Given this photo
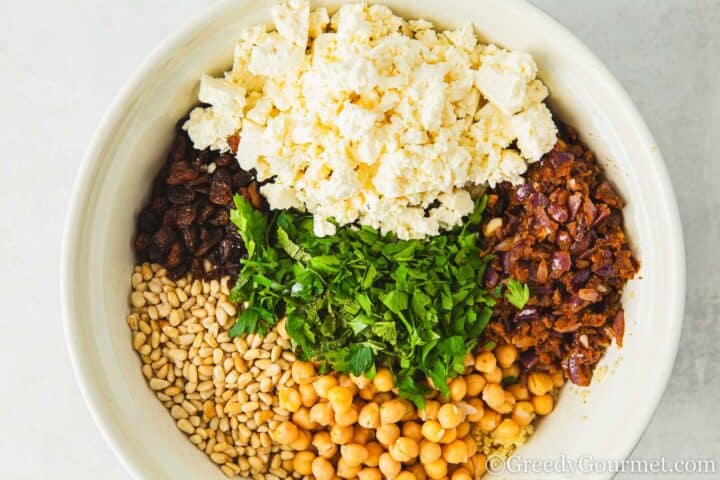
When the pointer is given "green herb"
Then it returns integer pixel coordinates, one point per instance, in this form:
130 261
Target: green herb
358 298
509 381
517 293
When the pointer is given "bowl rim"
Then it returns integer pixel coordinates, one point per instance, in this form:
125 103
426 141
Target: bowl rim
117 111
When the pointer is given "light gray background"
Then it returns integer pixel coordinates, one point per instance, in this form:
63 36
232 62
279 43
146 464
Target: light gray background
61 63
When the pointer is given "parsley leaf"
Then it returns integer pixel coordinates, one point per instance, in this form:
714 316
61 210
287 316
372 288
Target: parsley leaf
517 293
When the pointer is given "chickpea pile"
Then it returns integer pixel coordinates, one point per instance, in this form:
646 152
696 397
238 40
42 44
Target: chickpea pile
352 427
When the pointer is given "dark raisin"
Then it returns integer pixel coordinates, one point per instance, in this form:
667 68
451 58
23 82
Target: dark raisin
175 256
181 194
181 172
220 189
181 215
142 242
220 217
224 160
163 238
206 211
189 237
148 221
241 179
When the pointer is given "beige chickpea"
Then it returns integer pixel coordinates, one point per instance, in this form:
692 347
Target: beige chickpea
387 434
412 430
485 362
340 398
361 435
308 395
324 445
450 435
410 411
519 391
539 383
404 449
382 397
302 419
346 381
302 442
523 413
479 407
345 470
418 470
374 451
405 475
478 462
323 384
392 411
429 451
455 452
543 404
506 355
369 416
558 378
450 416
302 463
475 384
354 454
508 405
430 412
286 433
322 469
322 414
511 372
341 435
302 372
489 421
493 395
360 382
348 417
463 429
369 473
388 466
437 469
383 380
368 392
461 474
458 389
507 432
494 376
471 445
432 430
289 399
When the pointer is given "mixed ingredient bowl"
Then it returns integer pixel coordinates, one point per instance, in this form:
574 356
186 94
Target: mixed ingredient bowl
371 248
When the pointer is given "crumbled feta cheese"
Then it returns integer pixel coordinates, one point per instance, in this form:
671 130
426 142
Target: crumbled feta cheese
361 116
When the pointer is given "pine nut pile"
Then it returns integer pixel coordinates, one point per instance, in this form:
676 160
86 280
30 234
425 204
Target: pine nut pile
260 413
220 391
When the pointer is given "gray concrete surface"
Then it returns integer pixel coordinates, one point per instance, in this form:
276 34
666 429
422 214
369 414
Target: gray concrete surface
61 62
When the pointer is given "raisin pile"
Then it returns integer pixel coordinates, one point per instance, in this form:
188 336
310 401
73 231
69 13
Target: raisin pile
186 225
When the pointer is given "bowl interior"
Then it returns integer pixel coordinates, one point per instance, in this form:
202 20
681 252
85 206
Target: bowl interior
135 138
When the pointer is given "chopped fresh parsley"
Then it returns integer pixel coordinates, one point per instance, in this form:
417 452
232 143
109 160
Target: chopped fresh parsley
517 293
358 299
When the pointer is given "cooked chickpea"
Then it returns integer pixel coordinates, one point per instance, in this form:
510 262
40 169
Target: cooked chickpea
479 407
463 429
430 412
508 405
506 355
469 360
513 371
286 433
302 442
361 435
323 384
360 382
543 404
322 469
455 452
345 470
432 430
410 411
388 466
348 417
302 372
493 395
369 416
308 395
392 411
322 414
518 391
302 463
478 463
382 397
489 421
341 435
429 451
346 381
404 449
450 416
302 419
324 445
374 452
558 378
539 383
494 376
437 469
458 389
412 430
475 384
471 445
523 413
354 454
461 474
387 434
450 435
340 398
418 470
369 473
507 432
368 392
405 475
383 380
289 399
485 362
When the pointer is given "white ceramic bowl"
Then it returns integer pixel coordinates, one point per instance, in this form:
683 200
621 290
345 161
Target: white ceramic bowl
606 421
